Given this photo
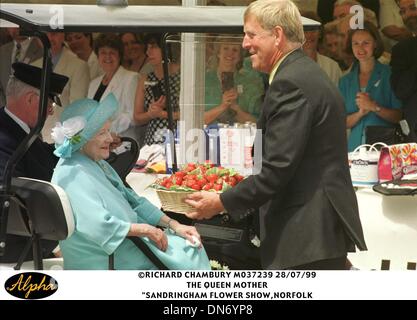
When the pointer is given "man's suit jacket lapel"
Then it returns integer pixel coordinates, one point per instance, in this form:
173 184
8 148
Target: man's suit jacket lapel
295 55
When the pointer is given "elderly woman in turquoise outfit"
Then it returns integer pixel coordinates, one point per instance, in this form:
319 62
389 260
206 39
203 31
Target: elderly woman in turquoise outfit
240 102
105 211
369 99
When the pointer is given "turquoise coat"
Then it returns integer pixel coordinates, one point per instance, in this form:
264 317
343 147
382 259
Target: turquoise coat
379 89
104 209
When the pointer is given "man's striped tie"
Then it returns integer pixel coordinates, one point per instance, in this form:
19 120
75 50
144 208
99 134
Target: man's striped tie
18 52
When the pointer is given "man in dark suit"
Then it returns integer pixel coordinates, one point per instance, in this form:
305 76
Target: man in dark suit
404 66
16 120
308 210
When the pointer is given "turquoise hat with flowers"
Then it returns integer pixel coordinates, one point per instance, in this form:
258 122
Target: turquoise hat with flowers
80 121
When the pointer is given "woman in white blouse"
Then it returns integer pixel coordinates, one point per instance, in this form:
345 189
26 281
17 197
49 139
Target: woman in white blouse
116 79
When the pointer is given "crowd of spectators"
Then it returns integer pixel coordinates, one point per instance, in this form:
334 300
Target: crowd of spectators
130 66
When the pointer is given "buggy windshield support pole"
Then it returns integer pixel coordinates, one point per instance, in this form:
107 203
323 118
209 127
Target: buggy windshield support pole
6 195
170 110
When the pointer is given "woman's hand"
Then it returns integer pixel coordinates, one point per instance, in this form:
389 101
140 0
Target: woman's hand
229 97
156 109
154 234
365 103
187 232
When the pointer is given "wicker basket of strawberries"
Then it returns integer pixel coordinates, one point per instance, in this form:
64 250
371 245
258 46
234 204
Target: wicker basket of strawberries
193 177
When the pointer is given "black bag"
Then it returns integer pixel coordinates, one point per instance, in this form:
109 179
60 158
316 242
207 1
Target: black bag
388 188
229 238
387 135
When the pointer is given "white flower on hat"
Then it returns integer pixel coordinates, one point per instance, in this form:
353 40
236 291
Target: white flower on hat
68 129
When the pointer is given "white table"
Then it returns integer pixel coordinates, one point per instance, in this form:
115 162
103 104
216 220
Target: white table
140 182
390 227
389 224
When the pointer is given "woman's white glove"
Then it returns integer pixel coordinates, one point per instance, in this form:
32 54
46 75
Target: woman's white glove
189 233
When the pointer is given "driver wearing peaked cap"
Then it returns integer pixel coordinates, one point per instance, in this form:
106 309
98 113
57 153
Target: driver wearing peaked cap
32 76
16 119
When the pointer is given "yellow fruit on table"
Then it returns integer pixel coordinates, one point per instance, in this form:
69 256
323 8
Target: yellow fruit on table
158 167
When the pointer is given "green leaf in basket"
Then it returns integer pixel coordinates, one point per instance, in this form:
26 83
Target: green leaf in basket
233 172
196 171
180 188
213 170
223 172
157 186
226 186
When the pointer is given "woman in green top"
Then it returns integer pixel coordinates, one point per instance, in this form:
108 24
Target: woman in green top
239 96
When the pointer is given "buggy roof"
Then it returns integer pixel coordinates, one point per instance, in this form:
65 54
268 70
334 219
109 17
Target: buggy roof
93 18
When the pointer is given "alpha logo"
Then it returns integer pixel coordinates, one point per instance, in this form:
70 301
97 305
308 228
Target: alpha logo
31 285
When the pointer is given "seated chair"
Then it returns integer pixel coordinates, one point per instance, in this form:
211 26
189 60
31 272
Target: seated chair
39 210
124 162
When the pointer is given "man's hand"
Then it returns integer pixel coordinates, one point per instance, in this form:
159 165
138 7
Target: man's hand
207 205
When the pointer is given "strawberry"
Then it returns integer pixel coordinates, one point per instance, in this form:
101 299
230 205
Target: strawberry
202 181
212 177
190 167
190 183
238 177
178 181
180 174
196 186
190 177
218 187
232 181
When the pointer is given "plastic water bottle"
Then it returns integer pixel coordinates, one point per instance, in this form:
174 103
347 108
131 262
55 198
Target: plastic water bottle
168 152
212 143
